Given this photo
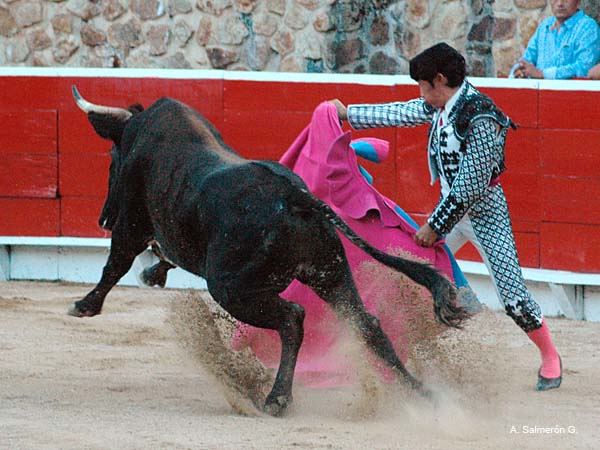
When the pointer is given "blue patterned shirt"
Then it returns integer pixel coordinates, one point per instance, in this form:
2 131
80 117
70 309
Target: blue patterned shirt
566 53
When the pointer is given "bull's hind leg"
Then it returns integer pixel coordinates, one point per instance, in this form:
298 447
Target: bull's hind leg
120 260
265 309
156 275
339 291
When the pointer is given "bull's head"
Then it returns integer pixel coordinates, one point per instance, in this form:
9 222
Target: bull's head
109 123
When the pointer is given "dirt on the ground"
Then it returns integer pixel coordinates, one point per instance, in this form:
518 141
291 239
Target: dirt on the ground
145 375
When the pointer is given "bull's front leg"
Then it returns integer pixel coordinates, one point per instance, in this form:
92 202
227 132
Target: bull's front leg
119 262
265 309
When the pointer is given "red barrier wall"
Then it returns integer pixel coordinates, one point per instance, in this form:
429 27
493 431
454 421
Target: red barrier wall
54 171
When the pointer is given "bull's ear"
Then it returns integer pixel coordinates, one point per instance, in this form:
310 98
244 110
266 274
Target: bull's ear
107 127
108 121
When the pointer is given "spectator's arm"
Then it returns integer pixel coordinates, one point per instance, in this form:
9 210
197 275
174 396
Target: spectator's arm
594 73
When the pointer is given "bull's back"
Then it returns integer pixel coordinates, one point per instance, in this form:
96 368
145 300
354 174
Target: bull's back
176 149
176 128
198 192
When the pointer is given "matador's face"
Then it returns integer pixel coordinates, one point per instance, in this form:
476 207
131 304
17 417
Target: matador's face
434 94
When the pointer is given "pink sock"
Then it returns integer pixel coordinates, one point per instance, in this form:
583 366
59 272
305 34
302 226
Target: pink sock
550 360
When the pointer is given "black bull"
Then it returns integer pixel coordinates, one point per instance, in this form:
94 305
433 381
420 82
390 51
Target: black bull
249 228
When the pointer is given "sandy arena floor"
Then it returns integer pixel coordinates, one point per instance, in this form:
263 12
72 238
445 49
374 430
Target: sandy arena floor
121 380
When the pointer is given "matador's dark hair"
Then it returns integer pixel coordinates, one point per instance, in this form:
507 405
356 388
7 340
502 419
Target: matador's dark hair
441 58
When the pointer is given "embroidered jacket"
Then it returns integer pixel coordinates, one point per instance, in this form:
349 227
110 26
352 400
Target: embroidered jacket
467 151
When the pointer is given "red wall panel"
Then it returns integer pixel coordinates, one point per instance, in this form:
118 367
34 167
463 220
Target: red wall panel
414 192
523 150
50 150
569 109
79 216
277 96
262 134
28 131
29 93
76 134
27 175
571 200
571 153
570 247
525 226
469 253
521 105
364 93
528 245
84 174
204 95
401 93
523 194
29 217
241 95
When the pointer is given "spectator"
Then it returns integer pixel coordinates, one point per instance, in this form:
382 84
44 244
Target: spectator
565 45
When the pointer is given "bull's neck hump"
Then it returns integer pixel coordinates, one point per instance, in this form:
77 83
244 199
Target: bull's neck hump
228 157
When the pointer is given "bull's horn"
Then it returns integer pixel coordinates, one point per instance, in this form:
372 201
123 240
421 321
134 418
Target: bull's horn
88 107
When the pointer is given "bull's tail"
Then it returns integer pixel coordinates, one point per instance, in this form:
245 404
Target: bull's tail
444 294
446 309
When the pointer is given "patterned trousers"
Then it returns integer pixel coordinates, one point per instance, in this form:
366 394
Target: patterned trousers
489 229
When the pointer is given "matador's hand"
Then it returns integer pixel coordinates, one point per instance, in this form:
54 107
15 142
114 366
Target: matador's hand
340 108
426 236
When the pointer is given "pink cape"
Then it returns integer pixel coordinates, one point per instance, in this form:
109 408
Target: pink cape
323 156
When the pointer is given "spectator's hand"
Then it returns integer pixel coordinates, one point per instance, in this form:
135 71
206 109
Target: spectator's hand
426 236
594 73
340 108
528 70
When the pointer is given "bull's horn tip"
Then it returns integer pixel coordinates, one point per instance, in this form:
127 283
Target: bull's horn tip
75 92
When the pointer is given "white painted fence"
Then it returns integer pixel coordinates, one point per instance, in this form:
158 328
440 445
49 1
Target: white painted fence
80 260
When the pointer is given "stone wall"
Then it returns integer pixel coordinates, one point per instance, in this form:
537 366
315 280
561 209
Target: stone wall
372 36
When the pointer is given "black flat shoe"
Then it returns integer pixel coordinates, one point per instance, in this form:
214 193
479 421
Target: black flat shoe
545 384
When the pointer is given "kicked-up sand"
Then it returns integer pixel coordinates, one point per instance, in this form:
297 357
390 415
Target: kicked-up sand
154 371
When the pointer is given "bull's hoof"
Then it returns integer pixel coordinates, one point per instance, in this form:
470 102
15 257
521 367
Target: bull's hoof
421 390
431 397
78 309
277 406
150 278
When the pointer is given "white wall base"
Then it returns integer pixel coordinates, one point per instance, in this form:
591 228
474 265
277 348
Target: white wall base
4 264
576 296
559 293
80 264
551 304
